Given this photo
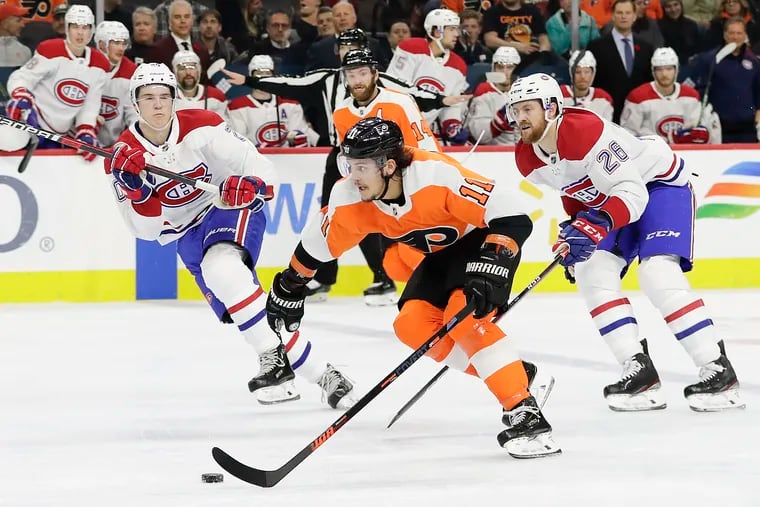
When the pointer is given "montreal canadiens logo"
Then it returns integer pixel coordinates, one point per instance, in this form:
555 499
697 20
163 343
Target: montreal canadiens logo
270 135
71 92
109 107
430 84
669 125
174 194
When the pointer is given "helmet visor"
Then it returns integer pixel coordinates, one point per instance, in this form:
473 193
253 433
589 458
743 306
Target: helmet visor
359 166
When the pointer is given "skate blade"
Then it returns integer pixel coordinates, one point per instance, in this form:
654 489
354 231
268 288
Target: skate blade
319 297
718 402
648 400
274 395
540 446
388 299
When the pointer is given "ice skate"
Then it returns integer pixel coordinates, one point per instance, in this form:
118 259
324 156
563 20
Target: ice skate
316 292
638 388
540 388
337 390
717 389
274 382
381 293
529 434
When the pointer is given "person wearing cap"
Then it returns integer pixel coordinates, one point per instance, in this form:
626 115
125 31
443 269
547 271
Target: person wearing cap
187 68
12 52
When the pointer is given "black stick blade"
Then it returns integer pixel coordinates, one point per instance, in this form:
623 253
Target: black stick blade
261 478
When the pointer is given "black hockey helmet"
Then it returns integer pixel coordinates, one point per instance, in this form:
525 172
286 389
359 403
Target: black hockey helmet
362 57
353 37
373 138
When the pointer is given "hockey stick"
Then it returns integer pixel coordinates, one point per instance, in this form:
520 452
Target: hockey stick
414 399
269 478
103 152
719 56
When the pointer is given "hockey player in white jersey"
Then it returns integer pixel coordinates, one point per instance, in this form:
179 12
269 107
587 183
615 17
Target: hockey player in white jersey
432 65
116 110
218 236
267 120
628 198
193 95
580 93
488 107
667 108
60 88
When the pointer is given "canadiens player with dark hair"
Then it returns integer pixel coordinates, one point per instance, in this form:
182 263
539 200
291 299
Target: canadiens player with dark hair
628 198
218 236
470 229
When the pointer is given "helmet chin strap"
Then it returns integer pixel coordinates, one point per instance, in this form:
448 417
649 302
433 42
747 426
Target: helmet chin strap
386 181
549 124
157 129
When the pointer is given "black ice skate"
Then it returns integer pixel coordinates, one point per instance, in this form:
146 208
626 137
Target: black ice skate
717 389
529 434
639 386
382 293
336 389
540 389
274 383
316 292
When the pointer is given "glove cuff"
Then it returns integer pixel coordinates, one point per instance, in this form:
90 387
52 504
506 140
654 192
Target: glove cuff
22 94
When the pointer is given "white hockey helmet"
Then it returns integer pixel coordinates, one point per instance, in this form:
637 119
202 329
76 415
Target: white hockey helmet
506 55
108 31
183 57
151 74
541 87
440 18
79 15
583 58
260 62
664 57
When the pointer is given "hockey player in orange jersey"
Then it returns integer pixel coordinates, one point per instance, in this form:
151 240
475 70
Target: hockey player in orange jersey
470 229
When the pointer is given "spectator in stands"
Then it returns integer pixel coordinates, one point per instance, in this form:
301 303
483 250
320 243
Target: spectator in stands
644 27
679 32
667 108
735 87
521 26
468 45
242 25
289 58
181 22
732 9
325 25
210 28
143 36
487 118
701 11
12 52
113 11
623 58
558 29
116 110
186 66
164 15
580 93
305 23
36 31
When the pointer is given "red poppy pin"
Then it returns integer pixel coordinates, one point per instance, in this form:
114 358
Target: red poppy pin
636 47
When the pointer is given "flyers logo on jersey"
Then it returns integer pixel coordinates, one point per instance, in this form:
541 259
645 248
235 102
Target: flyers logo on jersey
669 125
174 194
430 84
71 92
430 240
109 107
271 134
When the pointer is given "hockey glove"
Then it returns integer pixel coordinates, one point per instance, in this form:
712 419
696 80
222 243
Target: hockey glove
21 107
88 135
285 301
500 123
454 132
582 236
127 167
243 192
486 277
696 135
297 139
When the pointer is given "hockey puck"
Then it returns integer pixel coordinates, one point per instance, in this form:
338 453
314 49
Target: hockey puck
212 477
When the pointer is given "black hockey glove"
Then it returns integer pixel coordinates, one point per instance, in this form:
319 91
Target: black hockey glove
285 301
487 277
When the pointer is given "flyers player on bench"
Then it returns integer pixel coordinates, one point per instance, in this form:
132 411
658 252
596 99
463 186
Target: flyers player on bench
470 229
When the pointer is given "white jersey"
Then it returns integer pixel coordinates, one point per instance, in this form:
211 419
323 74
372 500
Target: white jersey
412 62
596 100
648 112
206 97
12 52
200 146
486 101
267 123
602 166
116 107
67 89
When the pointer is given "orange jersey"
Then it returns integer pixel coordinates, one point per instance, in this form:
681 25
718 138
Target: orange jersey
389 105
443 201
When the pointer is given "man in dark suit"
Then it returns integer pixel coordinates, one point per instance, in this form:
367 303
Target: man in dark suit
180 24
623 59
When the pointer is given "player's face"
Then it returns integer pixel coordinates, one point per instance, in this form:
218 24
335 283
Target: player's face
187 76
367 177
665 76
531 120
361 82
584 76
116 49
450 36
154 103
506 69
79 35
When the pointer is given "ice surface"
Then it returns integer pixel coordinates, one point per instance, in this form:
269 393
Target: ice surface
120 404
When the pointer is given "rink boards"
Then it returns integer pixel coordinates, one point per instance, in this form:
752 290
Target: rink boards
62 238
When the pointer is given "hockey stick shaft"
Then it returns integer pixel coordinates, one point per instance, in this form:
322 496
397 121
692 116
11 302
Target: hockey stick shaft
269 478
104 152
419 394
30 148
719 56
